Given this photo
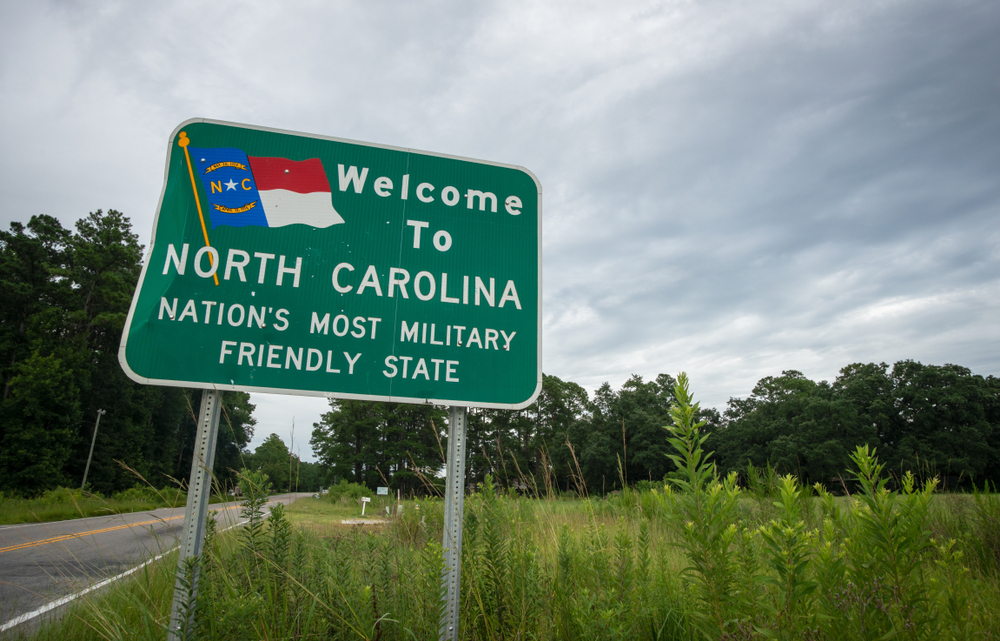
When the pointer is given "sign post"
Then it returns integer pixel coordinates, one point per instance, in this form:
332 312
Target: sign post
454 510
195 515
290 263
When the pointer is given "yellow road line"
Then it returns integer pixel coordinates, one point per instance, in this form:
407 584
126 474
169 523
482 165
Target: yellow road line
66 537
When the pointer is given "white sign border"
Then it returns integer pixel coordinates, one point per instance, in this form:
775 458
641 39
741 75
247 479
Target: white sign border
344 395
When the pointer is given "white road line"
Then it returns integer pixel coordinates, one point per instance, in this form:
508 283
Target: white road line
72 597
66 599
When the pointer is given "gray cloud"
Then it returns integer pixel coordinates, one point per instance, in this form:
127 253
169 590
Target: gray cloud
730 189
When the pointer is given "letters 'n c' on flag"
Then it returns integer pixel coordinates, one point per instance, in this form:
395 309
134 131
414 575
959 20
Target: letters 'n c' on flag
262 191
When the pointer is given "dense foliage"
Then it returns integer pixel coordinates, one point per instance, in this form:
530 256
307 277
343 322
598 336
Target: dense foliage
64 297
934 420
284 469
380 444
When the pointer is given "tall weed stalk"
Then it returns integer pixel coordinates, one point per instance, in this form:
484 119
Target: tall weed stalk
703 508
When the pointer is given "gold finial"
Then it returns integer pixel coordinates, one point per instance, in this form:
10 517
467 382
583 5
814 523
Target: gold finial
184 141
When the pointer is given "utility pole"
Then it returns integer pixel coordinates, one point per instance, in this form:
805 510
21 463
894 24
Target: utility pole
290 461
93 440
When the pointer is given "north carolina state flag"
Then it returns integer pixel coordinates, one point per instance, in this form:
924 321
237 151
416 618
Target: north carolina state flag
294 192
265 192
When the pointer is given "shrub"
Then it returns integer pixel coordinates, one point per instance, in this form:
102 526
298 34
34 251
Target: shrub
65 495
345 492
138 494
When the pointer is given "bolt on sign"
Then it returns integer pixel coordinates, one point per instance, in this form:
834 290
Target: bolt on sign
299 264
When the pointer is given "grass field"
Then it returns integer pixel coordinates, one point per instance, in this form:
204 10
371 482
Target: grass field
700 559
63 504
544 569
324 518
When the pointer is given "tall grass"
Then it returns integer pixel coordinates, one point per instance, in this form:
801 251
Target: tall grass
700 558
63 503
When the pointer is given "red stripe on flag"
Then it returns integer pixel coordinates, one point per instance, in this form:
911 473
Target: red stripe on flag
300 176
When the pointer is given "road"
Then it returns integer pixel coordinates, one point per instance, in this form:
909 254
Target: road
43 562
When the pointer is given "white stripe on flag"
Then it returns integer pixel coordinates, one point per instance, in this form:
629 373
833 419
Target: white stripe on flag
283 207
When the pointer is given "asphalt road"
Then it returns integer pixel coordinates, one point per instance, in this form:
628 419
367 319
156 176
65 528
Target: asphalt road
43 562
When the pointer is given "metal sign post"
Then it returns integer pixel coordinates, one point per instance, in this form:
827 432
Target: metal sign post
195 514
454 502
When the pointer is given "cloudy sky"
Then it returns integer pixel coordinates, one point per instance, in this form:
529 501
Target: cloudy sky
730 188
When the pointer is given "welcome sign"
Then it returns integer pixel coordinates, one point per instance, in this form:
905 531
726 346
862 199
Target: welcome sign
289 263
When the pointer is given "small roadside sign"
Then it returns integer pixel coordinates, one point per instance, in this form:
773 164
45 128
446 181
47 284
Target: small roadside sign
382 491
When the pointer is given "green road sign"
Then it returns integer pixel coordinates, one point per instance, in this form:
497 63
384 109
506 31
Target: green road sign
298 264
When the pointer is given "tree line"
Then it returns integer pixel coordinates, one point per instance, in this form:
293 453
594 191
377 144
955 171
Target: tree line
64 297
284 470
565 441
933 420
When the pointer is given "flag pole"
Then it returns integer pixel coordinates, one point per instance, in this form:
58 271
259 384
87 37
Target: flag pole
184 141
